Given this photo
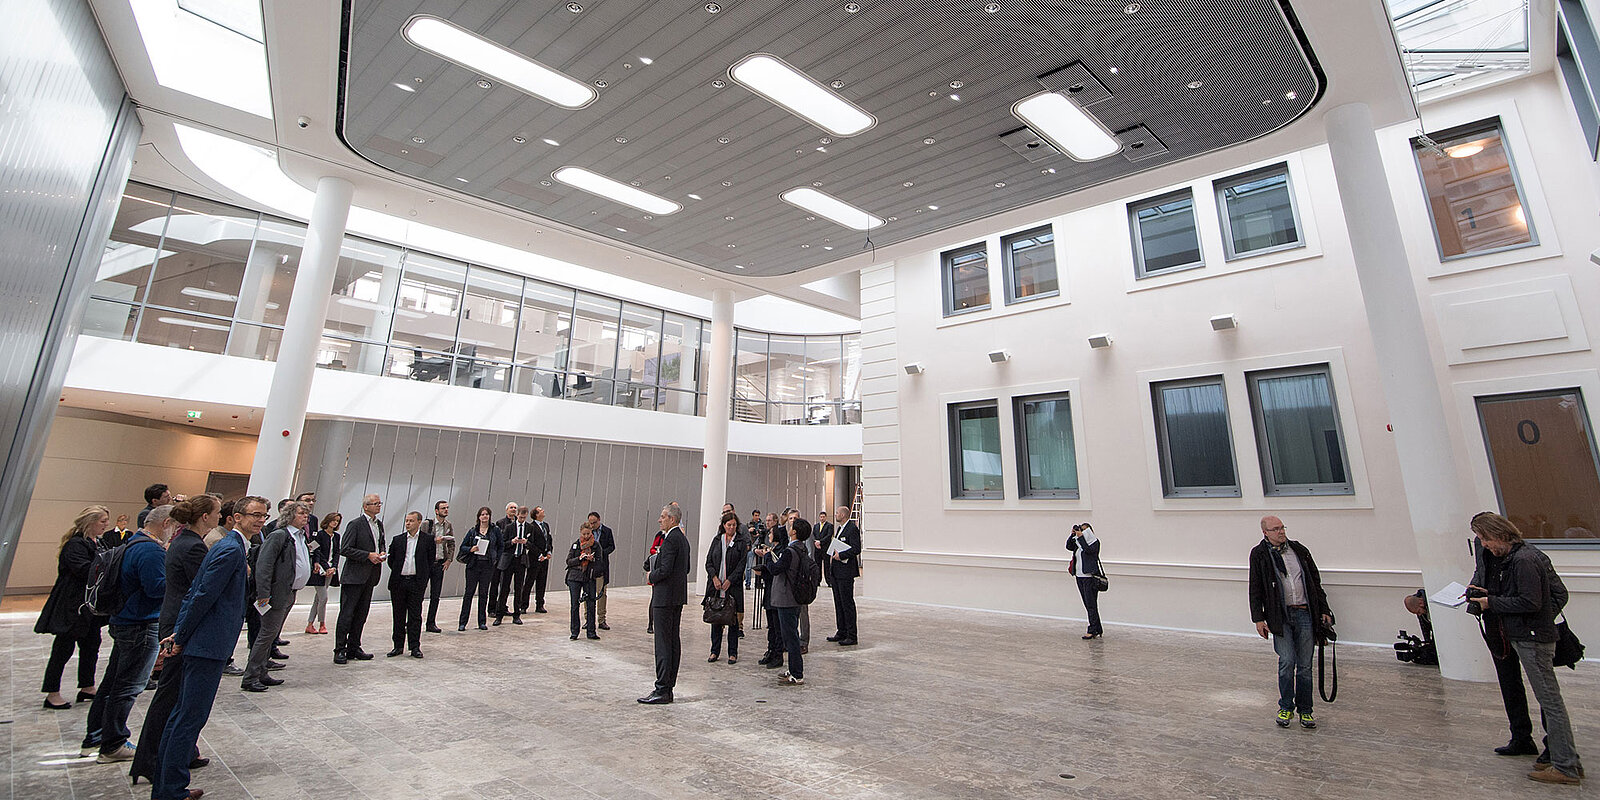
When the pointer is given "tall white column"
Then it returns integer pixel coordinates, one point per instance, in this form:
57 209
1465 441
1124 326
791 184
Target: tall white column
1439 510
719 403
284 419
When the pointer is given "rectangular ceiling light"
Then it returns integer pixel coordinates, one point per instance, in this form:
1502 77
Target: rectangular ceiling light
600 185
471 51
794 90
1062 123
825 205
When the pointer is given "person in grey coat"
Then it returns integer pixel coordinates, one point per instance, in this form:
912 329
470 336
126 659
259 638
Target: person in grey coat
282 567
780 573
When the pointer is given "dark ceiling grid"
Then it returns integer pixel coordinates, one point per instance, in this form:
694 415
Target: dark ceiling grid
890 56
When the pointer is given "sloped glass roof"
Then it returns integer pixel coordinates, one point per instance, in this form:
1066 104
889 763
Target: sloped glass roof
1445 39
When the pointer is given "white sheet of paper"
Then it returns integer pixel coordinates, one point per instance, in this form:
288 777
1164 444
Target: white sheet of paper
1453 595
481 547
838 547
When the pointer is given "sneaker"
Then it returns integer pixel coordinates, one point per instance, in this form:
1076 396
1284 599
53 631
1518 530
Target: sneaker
1539 766
125 753
1284 718
232 669
1307 722
790 680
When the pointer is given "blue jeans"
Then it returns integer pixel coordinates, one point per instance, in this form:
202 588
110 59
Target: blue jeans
749 567
1536 658
199 691
1294 661
133 654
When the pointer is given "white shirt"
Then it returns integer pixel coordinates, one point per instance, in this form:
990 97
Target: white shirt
409 565
1084 540
302 559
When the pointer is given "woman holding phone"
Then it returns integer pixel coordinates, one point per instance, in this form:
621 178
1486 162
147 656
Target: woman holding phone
1085 566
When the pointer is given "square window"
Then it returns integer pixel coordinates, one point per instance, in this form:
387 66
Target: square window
1030 263
1258 212
966 279
1165 237
975 450
1473 197
1193 438
1047 461
1543 458
1297 432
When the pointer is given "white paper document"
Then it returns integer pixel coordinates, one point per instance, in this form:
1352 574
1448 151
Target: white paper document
838 547
481 547
1453 595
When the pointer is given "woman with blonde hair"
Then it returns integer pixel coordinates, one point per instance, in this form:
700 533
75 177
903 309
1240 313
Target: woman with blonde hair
63 614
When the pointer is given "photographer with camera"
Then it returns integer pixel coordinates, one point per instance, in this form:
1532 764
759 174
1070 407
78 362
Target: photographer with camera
1517 594
1418 650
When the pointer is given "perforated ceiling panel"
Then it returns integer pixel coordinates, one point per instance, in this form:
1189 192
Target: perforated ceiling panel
941 77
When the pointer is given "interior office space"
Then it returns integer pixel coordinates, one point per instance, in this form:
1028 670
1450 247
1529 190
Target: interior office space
934 306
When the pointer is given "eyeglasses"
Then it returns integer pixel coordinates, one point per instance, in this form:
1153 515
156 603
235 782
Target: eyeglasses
1275 529
257 514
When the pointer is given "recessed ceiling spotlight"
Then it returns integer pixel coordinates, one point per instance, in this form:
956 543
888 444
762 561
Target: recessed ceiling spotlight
824 140
933 208
404 88
956 97
713 8
552 142
544 183
597 184
1267 102
1131 8
999 184
575 8
908 184
1114 70
1048 171
622 140
929 140
728 218
520 139
892 219
419 140
852 8
822 149
723 140
719 83
1195 84
1062 123
826 205
649 216
695 197
738 266
731 246
646 60
471 51
992 8
416 80
285 258
463 180
622 230
483 84
957 84
727 183
634 183
1289 95
934 93
827 247
817 184
810 218
785 86
666 177
916 211
805 247
837 84
602 83
405 152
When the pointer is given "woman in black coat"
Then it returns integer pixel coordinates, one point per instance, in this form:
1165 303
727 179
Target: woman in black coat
581 560
322 570
724 574
479 561
64 615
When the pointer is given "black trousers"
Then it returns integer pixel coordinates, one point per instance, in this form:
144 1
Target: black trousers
479 582
538 576
774 636
582 592
1088 589
405 596
1508 671
147 752
844 606
669 645
518 574
355 600
87 643
435 584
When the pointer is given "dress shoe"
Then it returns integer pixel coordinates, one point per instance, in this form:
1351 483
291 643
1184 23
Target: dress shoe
278 654
657 699
199 762
273 666
322 628
232 669
834 638
540 610
86 696
1518 747
311 629
650 629
847 642
338 658
593 635
54 707
497 621
1088 636
253 686
605 627
433 629
1540 775
396 651
360 655
483 627
804 649
574 637
461 627
416 654
1540 765
516 620
774 663
268 680
280 643
194 794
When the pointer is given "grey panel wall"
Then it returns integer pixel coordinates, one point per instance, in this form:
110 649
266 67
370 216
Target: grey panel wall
413 467
67 136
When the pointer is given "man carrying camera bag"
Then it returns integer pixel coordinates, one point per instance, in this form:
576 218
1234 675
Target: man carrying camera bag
1286 599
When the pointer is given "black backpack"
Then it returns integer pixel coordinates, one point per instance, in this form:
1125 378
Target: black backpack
102 594
806 575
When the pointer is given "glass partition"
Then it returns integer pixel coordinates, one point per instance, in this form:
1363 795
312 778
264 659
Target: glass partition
134 244
594 348
749 376
203 257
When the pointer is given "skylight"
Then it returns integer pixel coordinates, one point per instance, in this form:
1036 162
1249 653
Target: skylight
198 56
1444 40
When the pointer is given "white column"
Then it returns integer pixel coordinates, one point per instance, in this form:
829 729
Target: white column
284 419
1439 511
719 400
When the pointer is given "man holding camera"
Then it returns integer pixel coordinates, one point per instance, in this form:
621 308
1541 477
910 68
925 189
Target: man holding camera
1286 599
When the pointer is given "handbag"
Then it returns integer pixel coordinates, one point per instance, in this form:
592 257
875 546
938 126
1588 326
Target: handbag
719 610
1101 582
1569 651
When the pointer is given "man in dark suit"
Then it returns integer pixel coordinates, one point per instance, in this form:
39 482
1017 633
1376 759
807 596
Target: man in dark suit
539 573
497 599
669 591
516 556
602 569
410 557
362 546
842 569
205 633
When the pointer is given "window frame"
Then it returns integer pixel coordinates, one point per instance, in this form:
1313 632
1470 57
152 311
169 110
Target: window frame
1221 185
1019 419
1494 474
1009 277
947 278
1479 127
1140 271
1169 488
957 491
1269 485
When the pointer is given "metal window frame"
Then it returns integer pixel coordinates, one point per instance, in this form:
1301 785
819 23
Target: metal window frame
1482 126
1222 185
1269 484
1140 271
1011 297
947 277
957 492
1494 473
1019 418
1164 449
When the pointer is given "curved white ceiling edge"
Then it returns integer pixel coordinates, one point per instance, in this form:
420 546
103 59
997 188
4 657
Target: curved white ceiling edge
198 57
253 172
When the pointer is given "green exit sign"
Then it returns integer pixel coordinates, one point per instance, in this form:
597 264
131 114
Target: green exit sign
194 414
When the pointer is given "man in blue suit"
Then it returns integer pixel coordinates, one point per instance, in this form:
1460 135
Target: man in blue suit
206 632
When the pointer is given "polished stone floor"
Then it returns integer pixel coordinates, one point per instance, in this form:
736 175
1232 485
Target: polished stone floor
934 703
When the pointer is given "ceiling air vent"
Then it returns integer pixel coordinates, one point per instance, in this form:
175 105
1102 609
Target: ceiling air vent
1028 145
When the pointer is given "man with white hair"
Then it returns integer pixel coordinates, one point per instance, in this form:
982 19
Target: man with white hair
669 591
